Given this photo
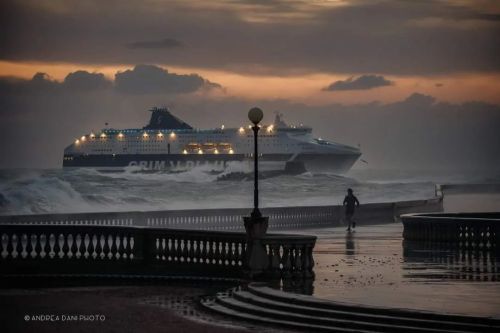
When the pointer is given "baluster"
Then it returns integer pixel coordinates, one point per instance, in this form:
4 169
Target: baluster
197 250
210 254
105 247
10 246
57 246
42 241
118 249
217 252
243 253
189 250
127 248
91 247
113 248
98 246
274 260
23 243
287 262
298 260
74 248
184 253
85 246
79 249
29 246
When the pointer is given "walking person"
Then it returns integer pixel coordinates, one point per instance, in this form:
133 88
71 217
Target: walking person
350 201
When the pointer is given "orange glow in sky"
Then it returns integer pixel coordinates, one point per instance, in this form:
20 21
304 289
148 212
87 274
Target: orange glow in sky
301 88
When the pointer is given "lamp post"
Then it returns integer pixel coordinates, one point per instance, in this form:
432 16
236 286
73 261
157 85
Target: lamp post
255 115
256 224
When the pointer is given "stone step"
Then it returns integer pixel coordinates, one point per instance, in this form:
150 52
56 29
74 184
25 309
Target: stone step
229 301
212 305
261 290
359 315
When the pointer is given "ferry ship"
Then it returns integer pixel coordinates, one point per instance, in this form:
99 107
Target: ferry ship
169 144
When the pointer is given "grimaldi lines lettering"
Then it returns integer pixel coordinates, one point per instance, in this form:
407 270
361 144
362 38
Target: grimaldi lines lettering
176 165
168 143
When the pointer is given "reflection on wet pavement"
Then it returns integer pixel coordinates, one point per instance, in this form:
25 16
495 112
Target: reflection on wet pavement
371 266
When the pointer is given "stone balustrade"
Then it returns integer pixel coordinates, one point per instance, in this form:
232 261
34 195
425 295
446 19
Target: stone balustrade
144 251
229 219
466 230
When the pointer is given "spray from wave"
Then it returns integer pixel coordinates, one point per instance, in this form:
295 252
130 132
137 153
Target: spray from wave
88 190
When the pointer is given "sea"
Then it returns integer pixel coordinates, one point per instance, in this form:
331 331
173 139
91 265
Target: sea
39 191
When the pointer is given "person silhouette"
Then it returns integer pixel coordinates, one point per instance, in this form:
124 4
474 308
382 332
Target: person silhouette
350 201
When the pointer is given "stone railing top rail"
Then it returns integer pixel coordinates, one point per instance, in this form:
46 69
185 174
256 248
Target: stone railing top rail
192 233
196 212
451 217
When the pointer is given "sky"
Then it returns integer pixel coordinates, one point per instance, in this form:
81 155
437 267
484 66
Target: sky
415 83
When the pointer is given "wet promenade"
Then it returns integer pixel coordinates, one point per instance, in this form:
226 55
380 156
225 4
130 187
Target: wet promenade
371 266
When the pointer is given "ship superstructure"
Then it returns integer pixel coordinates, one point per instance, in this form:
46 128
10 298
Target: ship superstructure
168 143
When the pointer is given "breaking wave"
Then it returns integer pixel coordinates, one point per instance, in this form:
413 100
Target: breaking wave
88 190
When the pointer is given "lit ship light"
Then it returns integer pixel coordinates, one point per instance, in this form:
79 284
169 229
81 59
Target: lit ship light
92 135
200 151
222 127
241 130
270 128
145 135
120 135
172 135
103 135
160 135
83 138
185 152
231 151
77 142
216 151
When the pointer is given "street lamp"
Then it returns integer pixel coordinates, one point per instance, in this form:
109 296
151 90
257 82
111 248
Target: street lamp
255 115
256 224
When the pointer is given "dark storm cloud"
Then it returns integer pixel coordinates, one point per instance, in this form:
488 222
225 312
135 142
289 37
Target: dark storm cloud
362 82
149 79
142 79
387 37
167 43
83 80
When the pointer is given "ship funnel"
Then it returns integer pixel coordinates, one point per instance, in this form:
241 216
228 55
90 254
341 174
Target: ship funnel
162 118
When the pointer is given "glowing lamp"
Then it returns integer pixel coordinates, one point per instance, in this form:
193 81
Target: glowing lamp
231 151
200 151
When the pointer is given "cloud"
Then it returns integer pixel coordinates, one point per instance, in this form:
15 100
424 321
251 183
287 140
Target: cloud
354 37
362 82
142 79
414 102
83 80
150 79
167 43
